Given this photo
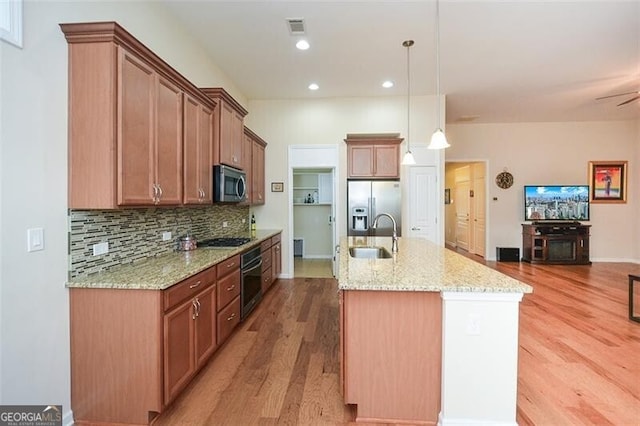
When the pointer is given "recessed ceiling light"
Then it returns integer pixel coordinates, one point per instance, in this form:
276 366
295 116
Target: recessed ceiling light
387 84
302 44
313 86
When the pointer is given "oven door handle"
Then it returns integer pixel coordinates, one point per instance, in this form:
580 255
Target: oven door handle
251 267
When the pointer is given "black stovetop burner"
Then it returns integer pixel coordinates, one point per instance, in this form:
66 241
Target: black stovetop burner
224 242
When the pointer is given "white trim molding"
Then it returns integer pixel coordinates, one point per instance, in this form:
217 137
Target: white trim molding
11 21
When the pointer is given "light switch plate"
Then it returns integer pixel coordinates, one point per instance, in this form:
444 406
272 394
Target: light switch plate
166 236
35 239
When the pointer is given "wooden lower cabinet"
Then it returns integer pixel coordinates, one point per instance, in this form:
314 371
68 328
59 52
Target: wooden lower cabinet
228 303
271 261
116 355
228 319
189 340
133 351
401 331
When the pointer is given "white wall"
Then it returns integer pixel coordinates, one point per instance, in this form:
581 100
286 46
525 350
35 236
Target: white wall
327 121
34 324
554 153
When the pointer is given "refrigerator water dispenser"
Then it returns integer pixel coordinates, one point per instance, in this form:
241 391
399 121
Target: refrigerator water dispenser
359 219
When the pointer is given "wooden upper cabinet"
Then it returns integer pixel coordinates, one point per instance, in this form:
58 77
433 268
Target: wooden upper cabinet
125 120
247 155
198 144
373 156
168 142
257 171
228 129
149 135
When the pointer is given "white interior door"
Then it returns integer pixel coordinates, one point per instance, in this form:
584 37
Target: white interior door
479 220
462 214
423 203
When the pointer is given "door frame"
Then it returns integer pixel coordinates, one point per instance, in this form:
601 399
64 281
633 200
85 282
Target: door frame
487 225
313 157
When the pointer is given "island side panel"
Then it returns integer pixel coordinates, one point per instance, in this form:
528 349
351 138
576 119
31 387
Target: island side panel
480 358
116 364
392 355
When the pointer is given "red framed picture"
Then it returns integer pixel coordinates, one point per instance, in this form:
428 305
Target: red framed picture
608 181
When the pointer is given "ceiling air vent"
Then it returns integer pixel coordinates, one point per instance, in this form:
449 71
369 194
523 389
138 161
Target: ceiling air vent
296 26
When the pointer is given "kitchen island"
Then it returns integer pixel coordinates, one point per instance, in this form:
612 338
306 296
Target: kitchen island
427 335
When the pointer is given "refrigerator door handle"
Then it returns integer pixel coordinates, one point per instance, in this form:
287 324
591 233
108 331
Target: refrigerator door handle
372 209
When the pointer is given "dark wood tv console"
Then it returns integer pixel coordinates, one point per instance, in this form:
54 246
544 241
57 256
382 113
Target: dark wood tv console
559 243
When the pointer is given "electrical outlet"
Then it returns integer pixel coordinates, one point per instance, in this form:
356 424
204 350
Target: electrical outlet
473 324
225 224
244 220
100 248
166 236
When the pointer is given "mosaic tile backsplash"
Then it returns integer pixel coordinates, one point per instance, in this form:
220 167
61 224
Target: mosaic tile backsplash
136 234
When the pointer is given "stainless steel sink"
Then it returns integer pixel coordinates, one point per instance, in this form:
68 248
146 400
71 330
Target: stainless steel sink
369 252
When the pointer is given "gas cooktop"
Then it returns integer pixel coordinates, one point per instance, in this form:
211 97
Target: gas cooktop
224 242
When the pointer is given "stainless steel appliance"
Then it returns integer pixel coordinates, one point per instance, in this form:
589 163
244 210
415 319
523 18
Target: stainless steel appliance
223 242
368 198
230 185
251 286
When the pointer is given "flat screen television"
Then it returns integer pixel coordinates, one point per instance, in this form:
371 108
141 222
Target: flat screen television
556 203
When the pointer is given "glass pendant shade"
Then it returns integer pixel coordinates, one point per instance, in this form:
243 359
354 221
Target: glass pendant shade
438 140
408 159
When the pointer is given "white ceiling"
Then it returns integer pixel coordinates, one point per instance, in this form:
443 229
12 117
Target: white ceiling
501 61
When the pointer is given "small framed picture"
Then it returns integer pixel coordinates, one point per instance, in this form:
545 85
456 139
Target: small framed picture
277 186
447 196
608 181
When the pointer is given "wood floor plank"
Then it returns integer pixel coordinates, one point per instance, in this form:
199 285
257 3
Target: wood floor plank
579 361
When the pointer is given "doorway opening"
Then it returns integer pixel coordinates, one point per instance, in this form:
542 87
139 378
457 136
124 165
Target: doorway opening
313 222
465 215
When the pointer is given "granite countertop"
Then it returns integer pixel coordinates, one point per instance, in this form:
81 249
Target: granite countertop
419 265
159 273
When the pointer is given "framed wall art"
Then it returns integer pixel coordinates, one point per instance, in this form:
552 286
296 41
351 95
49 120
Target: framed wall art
608 181
277 186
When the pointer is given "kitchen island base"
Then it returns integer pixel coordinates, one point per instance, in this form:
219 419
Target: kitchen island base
391 349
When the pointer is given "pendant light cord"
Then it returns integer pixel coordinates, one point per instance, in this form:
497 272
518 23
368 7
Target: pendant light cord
438 63
408 44
408 98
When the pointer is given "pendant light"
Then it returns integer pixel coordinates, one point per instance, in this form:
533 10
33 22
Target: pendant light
438 139
408 156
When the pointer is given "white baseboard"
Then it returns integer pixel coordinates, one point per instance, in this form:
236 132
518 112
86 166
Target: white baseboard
67 419
471 422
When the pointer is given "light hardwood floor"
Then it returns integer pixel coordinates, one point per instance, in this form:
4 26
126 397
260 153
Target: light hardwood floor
579 355
312 268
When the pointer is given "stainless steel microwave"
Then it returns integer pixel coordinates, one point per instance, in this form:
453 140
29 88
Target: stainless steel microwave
230 185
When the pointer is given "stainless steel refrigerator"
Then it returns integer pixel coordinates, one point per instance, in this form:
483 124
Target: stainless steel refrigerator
368 198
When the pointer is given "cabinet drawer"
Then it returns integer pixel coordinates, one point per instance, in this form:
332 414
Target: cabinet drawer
266 279
266 259
265 245
226 266
276 239
189 287
228 319
228 289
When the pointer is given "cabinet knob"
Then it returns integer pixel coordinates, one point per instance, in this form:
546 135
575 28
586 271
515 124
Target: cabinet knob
231 288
